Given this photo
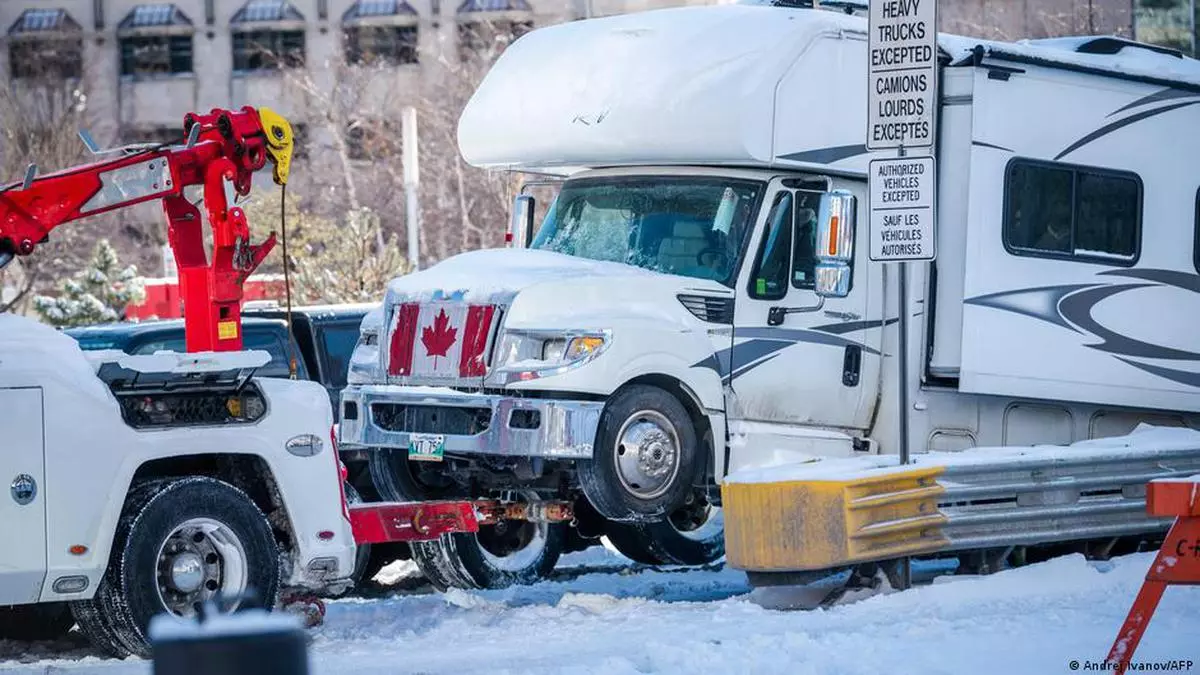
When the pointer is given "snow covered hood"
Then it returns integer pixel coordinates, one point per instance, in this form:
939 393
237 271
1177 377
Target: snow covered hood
496 275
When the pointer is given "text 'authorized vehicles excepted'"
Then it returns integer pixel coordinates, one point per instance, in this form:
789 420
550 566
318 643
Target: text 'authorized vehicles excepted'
902 209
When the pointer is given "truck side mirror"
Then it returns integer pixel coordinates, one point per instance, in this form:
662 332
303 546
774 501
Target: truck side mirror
835 244
521 230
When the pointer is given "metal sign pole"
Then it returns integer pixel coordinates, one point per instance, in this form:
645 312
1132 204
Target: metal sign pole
905 572
901 108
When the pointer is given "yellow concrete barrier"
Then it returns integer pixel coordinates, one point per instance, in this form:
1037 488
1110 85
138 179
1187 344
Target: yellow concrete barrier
804 525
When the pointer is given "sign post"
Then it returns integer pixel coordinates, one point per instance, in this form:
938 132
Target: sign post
901 107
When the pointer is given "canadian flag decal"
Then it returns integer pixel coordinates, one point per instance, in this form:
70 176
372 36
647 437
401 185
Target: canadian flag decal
439 337
452 338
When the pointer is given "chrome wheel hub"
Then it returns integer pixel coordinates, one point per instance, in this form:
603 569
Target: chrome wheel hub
647 454
198 561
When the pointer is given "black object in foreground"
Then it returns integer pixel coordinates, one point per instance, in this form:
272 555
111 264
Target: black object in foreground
251 642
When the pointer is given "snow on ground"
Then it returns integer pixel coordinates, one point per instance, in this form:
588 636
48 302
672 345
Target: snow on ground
603 615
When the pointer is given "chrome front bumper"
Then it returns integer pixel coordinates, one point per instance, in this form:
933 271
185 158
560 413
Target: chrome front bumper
565 429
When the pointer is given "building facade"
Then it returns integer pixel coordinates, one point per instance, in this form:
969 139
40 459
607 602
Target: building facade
144 65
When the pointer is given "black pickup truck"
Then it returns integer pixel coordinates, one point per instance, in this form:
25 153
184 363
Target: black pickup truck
325 336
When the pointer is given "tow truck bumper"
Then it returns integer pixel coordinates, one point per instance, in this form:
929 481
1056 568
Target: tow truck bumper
387 416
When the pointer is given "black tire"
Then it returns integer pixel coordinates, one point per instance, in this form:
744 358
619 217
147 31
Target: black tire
47 621
117 619
464 561
399 479
691 536
625 499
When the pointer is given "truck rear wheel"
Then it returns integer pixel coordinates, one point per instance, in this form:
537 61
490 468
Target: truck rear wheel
509 553
692 535
180 543
645 460
47 621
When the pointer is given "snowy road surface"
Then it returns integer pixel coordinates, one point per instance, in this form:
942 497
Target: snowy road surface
604 615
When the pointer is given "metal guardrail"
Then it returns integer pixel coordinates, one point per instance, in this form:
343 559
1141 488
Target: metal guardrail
1043 500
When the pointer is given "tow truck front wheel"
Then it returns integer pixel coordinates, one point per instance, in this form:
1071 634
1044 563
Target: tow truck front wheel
645 460
180 544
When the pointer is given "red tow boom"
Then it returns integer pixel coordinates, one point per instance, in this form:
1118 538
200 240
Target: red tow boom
223 151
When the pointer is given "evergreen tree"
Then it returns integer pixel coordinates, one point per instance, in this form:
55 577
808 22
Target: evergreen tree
96 294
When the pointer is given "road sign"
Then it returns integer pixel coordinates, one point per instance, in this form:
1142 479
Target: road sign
902 199
903 74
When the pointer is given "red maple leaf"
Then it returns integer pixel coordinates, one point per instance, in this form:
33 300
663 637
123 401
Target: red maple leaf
439 337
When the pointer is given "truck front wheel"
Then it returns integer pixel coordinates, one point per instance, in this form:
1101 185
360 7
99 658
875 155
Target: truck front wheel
181 543
645 460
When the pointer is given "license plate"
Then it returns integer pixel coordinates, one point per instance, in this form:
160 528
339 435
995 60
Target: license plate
426 447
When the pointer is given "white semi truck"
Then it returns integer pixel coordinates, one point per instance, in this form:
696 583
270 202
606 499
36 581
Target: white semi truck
699 297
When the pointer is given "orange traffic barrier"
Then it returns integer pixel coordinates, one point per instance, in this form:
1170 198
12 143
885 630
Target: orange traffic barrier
1177 562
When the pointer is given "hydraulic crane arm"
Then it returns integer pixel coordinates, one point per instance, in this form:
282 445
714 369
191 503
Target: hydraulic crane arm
223 150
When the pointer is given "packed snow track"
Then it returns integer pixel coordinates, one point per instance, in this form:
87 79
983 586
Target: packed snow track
603 614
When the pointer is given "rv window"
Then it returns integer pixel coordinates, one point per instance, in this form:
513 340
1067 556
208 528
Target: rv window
1196 240
770 278
1064 211
804 256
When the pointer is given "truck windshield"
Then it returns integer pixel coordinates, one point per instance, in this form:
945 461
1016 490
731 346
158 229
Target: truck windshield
690 226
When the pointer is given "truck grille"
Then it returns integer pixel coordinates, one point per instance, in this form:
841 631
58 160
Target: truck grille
431 419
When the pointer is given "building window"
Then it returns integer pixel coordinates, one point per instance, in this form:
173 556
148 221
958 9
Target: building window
1079 213
45 43
1167 23
267 34
486 27
392 45
489 38
155 39
156 55
380 31
265 50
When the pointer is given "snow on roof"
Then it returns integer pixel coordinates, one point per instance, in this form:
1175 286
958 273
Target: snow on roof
685 84
718 84
1102 54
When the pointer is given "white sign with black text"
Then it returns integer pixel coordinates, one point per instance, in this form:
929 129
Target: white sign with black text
903 74
902 199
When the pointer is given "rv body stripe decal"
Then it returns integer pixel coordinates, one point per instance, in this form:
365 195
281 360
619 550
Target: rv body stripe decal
1070 306
826 155
1120 124
1160 95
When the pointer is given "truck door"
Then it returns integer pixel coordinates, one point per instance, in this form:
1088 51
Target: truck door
797 360
23 503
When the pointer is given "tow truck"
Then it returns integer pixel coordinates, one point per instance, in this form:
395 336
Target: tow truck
165 483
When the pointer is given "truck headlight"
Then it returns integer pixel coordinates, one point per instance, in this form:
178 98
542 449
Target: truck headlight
528 355
364 360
